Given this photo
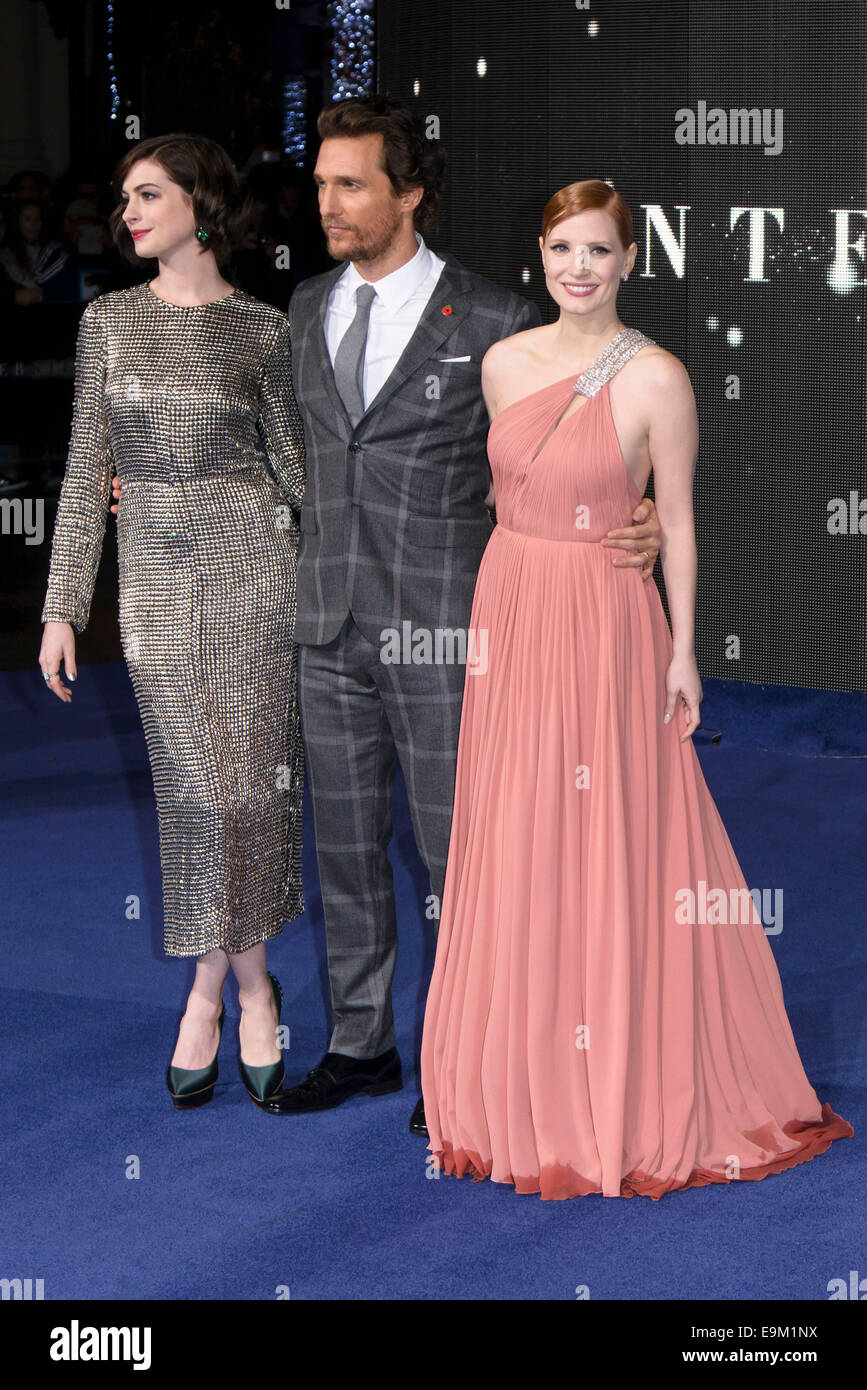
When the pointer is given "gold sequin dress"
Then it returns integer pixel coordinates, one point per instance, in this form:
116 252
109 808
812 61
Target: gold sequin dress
194 408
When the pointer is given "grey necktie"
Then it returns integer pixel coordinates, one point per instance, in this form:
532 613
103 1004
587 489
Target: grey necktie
349 358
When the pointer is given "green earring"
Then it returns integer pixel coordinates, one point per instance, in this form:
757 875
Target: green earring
203 235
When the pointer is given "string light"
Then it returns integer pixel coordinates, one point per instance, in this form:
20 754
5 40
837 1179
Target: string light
295 119
352 53
112 74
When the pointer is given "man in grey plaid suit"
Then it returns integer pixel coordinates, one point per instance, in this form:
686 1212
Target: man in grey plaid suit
387 355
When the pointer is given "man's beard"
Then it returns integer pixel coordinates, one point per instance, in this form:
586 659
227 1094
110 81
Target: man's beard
378 240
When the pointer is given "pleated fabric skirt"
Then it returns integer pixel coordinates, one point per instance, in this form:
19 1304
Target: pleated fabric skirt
582 1035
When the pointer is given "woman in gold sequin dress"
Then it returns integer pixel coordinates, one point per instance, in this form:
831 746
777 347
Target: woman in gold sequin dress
183 385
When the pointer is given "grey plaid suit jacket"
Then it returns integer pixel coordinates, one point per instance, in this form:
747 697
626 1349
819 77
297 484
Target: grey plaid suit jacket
393 521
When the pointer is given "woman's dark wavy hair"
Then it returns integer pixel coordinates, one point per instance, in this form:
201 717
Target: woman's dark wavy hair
409 158
203 170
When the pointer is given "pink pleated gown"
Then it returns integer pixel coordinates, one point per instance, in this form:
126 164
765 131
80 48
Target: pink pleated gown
580 1036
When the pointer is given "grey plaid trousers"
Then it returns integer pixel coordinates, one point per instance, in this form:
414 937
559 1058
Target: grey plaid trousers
358 715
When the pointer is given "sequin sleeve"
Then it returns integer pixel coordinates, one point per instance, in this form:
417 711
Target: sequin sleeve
280 419
82 510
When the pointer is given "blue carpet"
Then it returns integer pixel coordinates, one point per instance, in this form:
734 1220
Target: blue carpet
231 1203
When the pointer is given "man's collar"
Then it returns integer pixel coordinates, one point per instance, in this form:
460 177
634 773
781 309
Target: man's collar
397 287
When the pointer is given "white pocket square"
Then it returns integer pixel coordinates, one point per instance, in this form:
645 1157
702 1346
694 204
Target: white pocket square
468 358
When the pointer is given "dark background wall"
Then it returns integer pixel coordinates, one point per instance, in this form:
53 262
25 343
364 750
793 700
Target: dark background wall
559 102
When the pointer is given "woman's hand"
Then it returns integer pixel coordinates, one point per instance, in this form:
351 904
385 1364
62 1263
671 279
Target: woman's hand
683 681
58 644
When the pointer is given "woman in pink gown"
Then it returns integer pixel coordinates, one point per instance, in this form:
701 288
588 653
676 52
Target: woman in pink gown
599 1020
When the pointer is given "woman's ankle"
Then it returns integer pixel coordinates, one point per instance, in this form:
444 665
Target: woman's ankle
201 1008
259 996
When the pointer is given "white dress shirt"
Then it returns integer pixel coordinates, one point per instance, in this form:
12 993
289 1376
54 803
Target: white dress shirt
400 301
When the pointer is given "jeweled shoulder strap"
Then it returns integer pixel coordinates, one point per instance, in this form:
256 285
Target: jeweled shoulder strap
623 345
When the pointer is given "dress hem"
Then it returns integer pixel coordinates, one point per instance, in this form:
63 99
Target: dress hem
560 1182
293 911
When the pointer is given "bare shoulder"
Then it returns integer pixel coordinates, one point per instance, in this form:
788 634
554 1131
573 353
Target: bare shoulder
509 354
505 366
655 371
658 404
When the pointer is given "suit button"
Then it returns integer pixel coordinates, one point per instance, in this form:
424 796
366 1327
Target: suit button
355 447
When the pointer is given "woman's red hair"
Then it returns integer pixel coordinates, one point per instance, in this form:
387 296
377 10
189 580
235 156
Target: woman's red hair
585 196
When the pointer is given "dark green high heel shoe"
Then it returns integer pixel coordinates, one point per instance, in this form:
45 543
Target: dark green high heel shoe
263 1083
189 1089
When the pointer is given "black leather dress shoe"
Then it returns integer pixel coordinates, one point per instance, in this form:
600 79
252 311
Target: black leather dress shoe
336 1078
417 1124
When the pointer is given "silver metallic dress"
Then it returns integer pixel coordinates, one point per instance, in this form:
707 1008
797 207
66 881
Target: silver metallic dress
194 408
